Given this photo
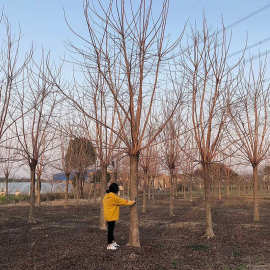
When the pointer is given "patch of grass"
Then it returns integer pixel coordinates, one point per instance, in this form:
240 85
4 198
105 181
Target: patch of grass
174 264
239 267
236 253
198 247
11 198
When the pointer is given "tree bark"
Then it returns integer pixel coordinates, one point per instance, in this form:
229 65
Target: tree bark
103 183
144 193
256 215
38 190
171 210
219 190
149 188
6 178
31 215
134 237
66 188
207 193
190 191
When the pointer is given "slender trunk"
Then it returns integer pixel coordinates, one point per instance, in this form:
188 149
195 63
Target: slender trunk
175 187
95 192
153 188
207 193
219 190
144 192
171 210
134 235
6 178
256 215
149 188
66 189
31 215
184 190
38 189
103 183
190 191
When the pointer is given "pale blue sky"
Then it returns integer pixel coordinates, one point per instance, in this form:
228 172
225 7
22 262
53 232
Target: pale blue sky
42 21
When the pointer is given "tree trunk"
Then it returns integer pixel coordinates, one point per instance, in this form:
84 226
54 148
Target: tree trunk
6 178
31 215
66 188
38 189
134 235
103 183
95 190
144 193
219 190
149 188
190 191
207 194
171 210
256 215
153 187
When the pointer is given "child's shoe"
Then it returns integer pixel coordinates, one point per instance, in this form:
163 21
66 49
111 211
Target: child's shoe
115 244
112 247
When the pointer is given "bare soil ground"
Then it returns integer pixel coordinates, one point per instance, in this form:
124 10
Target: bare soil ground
69 238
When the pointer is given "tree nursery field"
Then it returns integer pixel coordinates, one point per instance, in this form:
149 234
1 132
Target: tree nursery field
68 237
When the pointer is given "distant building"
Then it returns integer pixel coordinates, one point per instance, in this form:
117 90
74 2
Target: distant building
62 177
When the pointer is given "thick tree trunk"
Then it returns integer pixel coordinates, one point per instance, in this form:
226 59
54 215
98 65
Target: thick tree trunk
171 210
134 235
207 193
38 190
256 215
31 215
103 183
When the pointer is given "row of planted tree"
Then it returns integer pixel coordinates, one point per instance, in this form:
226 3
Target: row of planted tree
180 105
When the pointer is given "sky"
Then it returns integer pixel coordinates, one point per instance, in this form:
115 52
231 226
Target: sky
42 21
43 24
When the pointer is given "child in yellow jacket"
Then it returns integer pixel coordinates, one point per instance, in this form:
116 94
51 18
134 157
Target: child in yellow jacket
111 203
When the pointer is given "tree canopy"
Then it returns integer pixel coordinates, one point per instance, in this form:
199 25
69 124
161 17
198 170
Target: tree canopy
80 154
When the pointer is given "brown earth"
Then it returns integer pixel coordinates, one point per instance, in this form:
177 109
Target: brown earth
68 238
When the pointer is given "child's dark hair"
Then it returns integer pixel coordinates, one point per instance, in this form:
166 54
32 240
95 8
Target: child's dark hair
113 188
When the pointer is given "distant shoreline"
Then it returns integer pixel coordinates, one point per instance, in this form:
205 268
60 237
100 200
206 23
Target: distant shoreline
19 180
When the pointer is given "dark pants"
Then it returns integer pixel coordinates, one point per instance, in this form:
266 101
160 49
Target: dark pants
110 225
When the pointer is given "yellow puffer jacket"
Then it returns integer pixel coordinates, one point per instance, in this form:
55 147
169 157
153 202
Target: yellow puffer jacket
111 203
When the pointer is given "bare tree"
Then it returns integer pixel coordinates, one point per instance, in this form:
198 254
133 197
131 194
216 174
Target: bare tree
189 157
65 164
36 103
12 64
127 47
249 115
147 159
209 77
171 154
80 154
8 158
104 138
